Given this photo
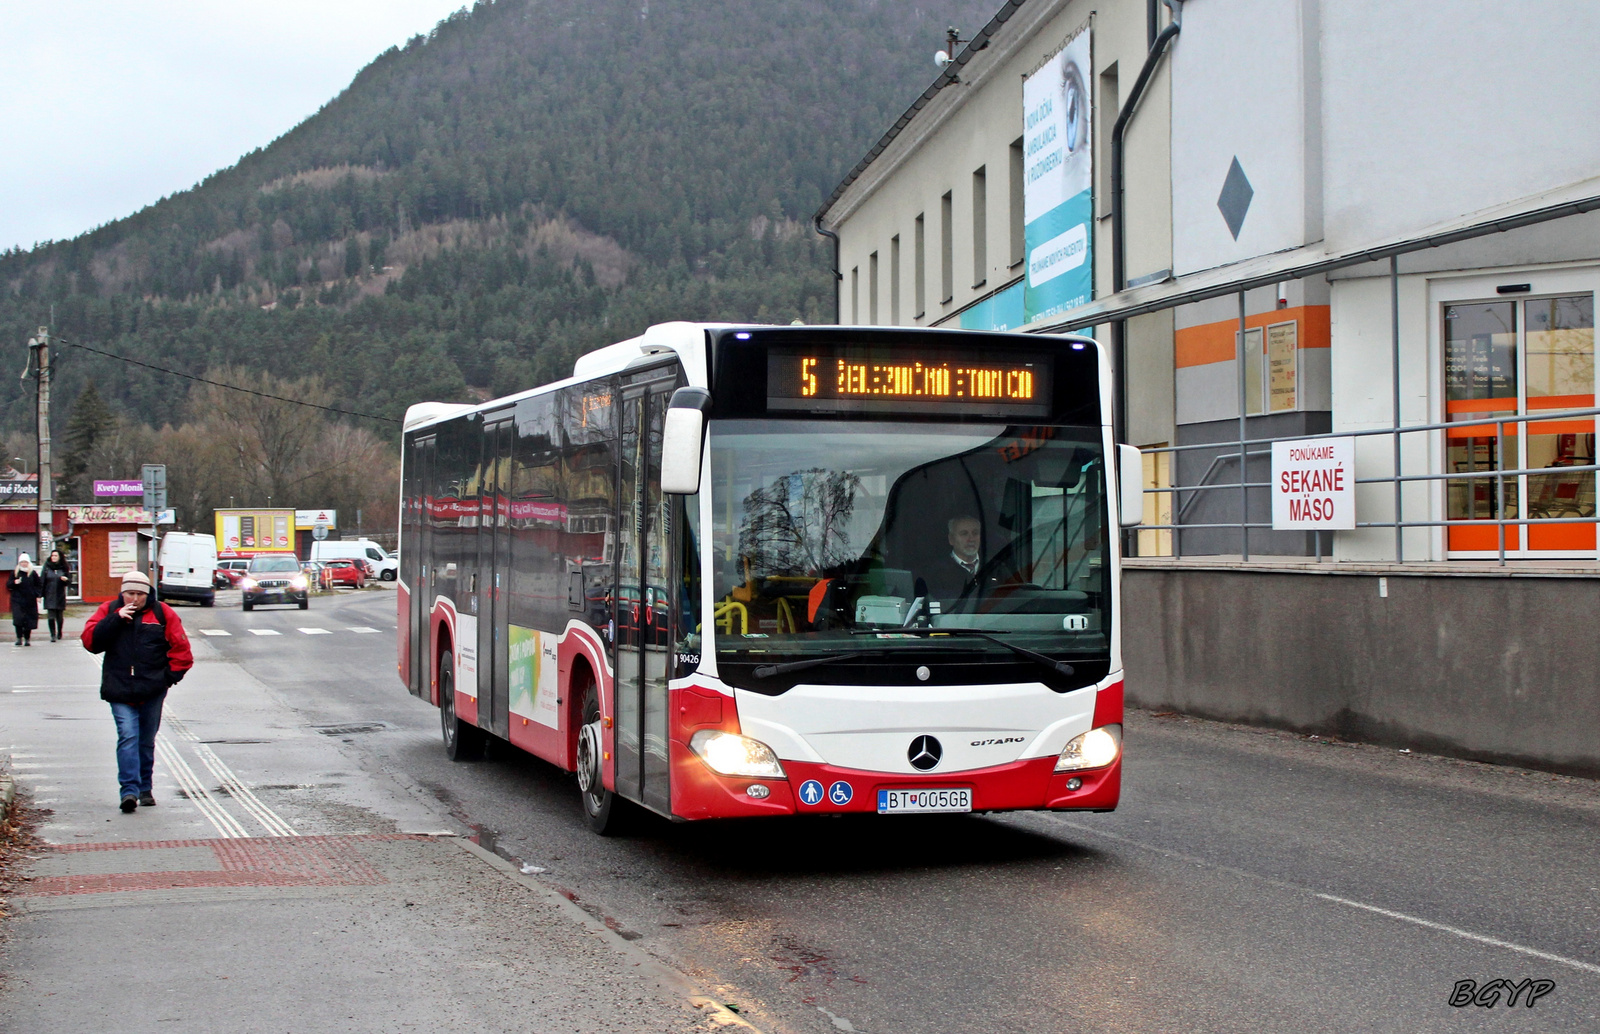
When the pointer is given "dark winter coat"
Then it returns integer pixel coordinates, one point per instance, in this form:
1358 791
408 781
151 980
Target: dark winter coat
55 587
145 656
24 590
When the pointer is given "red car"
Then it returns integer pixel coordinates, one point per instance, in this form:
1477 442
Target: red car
228 573
346 572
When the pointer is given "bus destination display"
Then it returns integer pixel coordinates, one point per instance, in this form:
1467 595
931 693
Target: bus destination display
871 380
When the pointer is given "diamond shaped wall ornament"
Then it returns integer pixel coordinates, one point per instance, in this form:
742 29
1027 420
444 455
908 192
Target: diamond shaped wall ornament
1235 198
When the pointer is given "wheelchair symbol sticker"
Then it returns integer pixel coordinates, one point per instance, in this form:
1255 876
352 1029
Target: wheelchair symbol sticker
811 792
840 793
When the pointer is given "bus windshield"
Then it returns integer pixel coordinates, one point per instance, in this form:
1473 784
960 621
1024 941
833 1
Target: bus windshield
831 536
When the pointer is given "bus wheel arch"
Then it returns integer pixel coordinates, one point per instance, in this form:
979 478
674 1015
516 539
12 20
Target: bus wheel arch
603 810
462 741
442 648
580 680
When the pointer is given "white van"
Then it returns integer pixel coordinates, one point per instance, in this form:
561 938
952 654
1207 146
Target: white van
386 564
188 565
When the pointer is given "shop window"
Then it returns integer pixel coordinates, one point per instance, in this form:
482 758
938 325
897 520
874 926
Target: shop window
1271 368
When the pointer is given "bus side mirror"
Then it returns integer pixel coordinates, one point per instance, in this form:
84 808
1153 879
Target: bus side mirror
682 437
1130 486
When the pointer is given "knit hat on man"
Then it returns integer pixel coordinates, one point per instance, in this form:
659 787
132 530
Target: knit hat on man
136 581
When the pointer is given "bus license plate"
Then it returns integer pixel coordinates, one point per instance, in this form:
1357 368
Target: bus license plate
901 802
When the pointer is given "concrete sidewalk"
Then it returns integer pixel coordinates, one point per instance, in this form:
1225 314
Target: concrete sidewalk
277 887
383 932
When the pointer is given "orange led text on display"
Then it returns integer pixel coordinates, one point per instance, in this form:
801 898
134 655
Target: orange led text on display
920 380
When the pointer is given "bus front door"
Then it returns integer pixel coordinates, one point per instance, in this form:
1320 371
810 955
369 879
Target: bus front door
640 598
491 602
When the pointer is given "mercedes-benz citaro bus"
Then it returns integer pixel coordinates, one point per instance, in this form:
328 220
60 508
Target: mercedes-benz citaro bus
733 571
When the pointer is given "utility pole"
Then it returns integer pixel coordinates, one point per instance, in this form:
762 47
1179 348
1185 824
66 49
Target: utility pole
40 345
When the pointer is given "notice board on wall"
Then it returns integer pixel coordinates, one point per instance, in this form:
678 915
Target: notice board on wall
122 549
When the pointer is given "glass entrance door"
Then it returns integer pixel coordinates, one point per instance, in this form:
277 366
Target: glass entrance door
1517 358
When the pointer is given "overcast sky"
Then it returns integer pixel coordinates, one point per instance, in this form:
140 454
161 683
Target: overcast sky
109 105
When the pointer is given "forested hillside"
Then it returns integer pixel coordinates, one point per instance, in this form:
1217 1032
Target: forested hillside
532 179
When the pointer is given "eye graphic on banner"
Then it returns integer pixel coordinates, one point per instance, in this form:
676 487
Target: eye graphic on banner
1058 183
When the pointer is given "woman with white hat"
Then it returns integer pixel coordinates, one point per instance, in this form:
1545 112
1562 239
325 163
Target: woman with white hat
23 585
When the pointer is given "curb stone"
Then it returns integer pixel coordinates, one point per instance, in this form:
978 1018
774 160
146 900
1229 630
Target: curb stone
648 964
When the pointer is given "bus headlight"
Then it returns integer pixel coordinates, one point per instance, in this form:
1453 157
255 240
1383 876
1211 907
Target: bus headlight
1096 748
728 753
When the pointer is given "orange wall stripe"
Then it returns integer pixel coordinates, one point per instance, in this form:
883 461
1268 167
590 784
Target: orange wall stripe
1213 342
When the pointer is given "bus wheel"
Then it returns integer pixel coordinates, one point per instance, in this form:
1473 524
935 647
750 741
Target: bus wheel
462 742
601 808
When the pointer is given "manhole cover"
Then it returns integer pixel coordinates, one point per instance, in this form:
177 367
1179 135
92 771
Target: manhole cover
350 730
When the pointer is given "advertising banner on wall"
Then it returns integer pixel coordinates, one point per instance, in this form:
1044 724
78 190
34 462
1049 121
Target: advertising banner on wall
1000 311
1058 182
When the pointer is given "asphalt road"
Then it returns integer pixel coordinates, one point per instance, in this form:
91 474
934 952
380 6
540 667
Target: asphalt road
1251 880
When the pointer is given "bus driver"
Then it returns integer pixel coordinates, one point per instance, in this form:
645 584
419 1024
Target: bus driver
953 575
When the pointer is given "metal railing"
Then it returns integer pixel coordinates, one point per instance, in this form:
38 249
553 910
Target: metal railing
1499 474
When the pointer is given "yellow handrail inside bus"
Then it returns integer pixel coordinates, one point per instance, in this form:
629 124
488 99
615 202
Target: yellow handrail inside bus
785 614
724 615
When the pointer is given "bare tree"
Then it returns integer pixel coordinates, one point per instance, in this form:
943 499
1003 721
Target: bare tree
271 442
798 523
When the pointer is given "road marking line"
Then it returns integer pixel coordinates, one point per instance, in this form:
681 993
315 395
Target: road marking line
1587 967
215 631
199 796
269 819
1468 934
316 631
265 631
360 628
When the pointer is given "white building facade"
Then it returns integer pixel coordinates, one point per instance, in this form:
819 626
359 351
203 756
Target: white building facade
1398 201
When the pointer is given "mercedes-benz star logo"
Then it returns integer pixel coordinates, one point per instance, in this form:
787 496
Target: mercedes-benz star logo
924 753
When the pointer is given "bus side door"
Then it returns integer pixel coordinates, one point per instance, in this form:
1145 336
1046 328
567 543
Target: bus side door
494 578
640 593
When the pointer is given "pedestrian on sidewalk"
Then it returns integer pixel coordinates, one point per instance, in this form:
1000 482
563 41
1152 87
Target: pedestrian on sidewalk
23 585
147 653
54 600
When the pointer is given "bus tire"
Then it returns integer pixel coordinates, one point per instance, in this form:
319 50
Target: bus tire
462 742
603 810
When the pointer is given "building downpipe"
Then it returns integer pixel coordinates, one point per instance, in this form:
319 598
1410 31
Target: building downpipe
1119 328
838 277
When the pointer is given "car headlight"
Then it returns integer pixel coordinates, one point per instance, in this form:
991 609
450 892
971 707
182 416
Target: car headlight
1096 748
297 583
728 753
247 583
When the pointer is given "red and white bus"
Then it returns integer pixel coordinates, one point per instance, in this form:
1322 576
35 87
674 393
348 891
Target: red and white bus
730 571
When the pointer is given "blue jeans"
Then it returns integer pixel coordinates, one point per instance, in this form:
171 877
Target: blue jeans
137 725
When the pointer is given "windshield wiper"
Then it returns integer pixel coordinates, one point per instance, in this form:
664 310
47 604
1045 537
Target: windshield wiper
1061 667
766 671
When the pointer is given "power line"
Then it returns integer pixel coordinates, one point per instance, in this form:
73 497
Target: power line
219 384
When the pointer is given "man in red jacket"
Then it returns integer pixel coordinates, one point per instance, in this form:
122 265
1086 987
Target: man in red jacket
147 653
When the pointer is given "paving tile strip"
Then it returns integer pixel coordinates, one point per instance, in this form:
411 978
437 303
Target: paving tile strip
308 861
